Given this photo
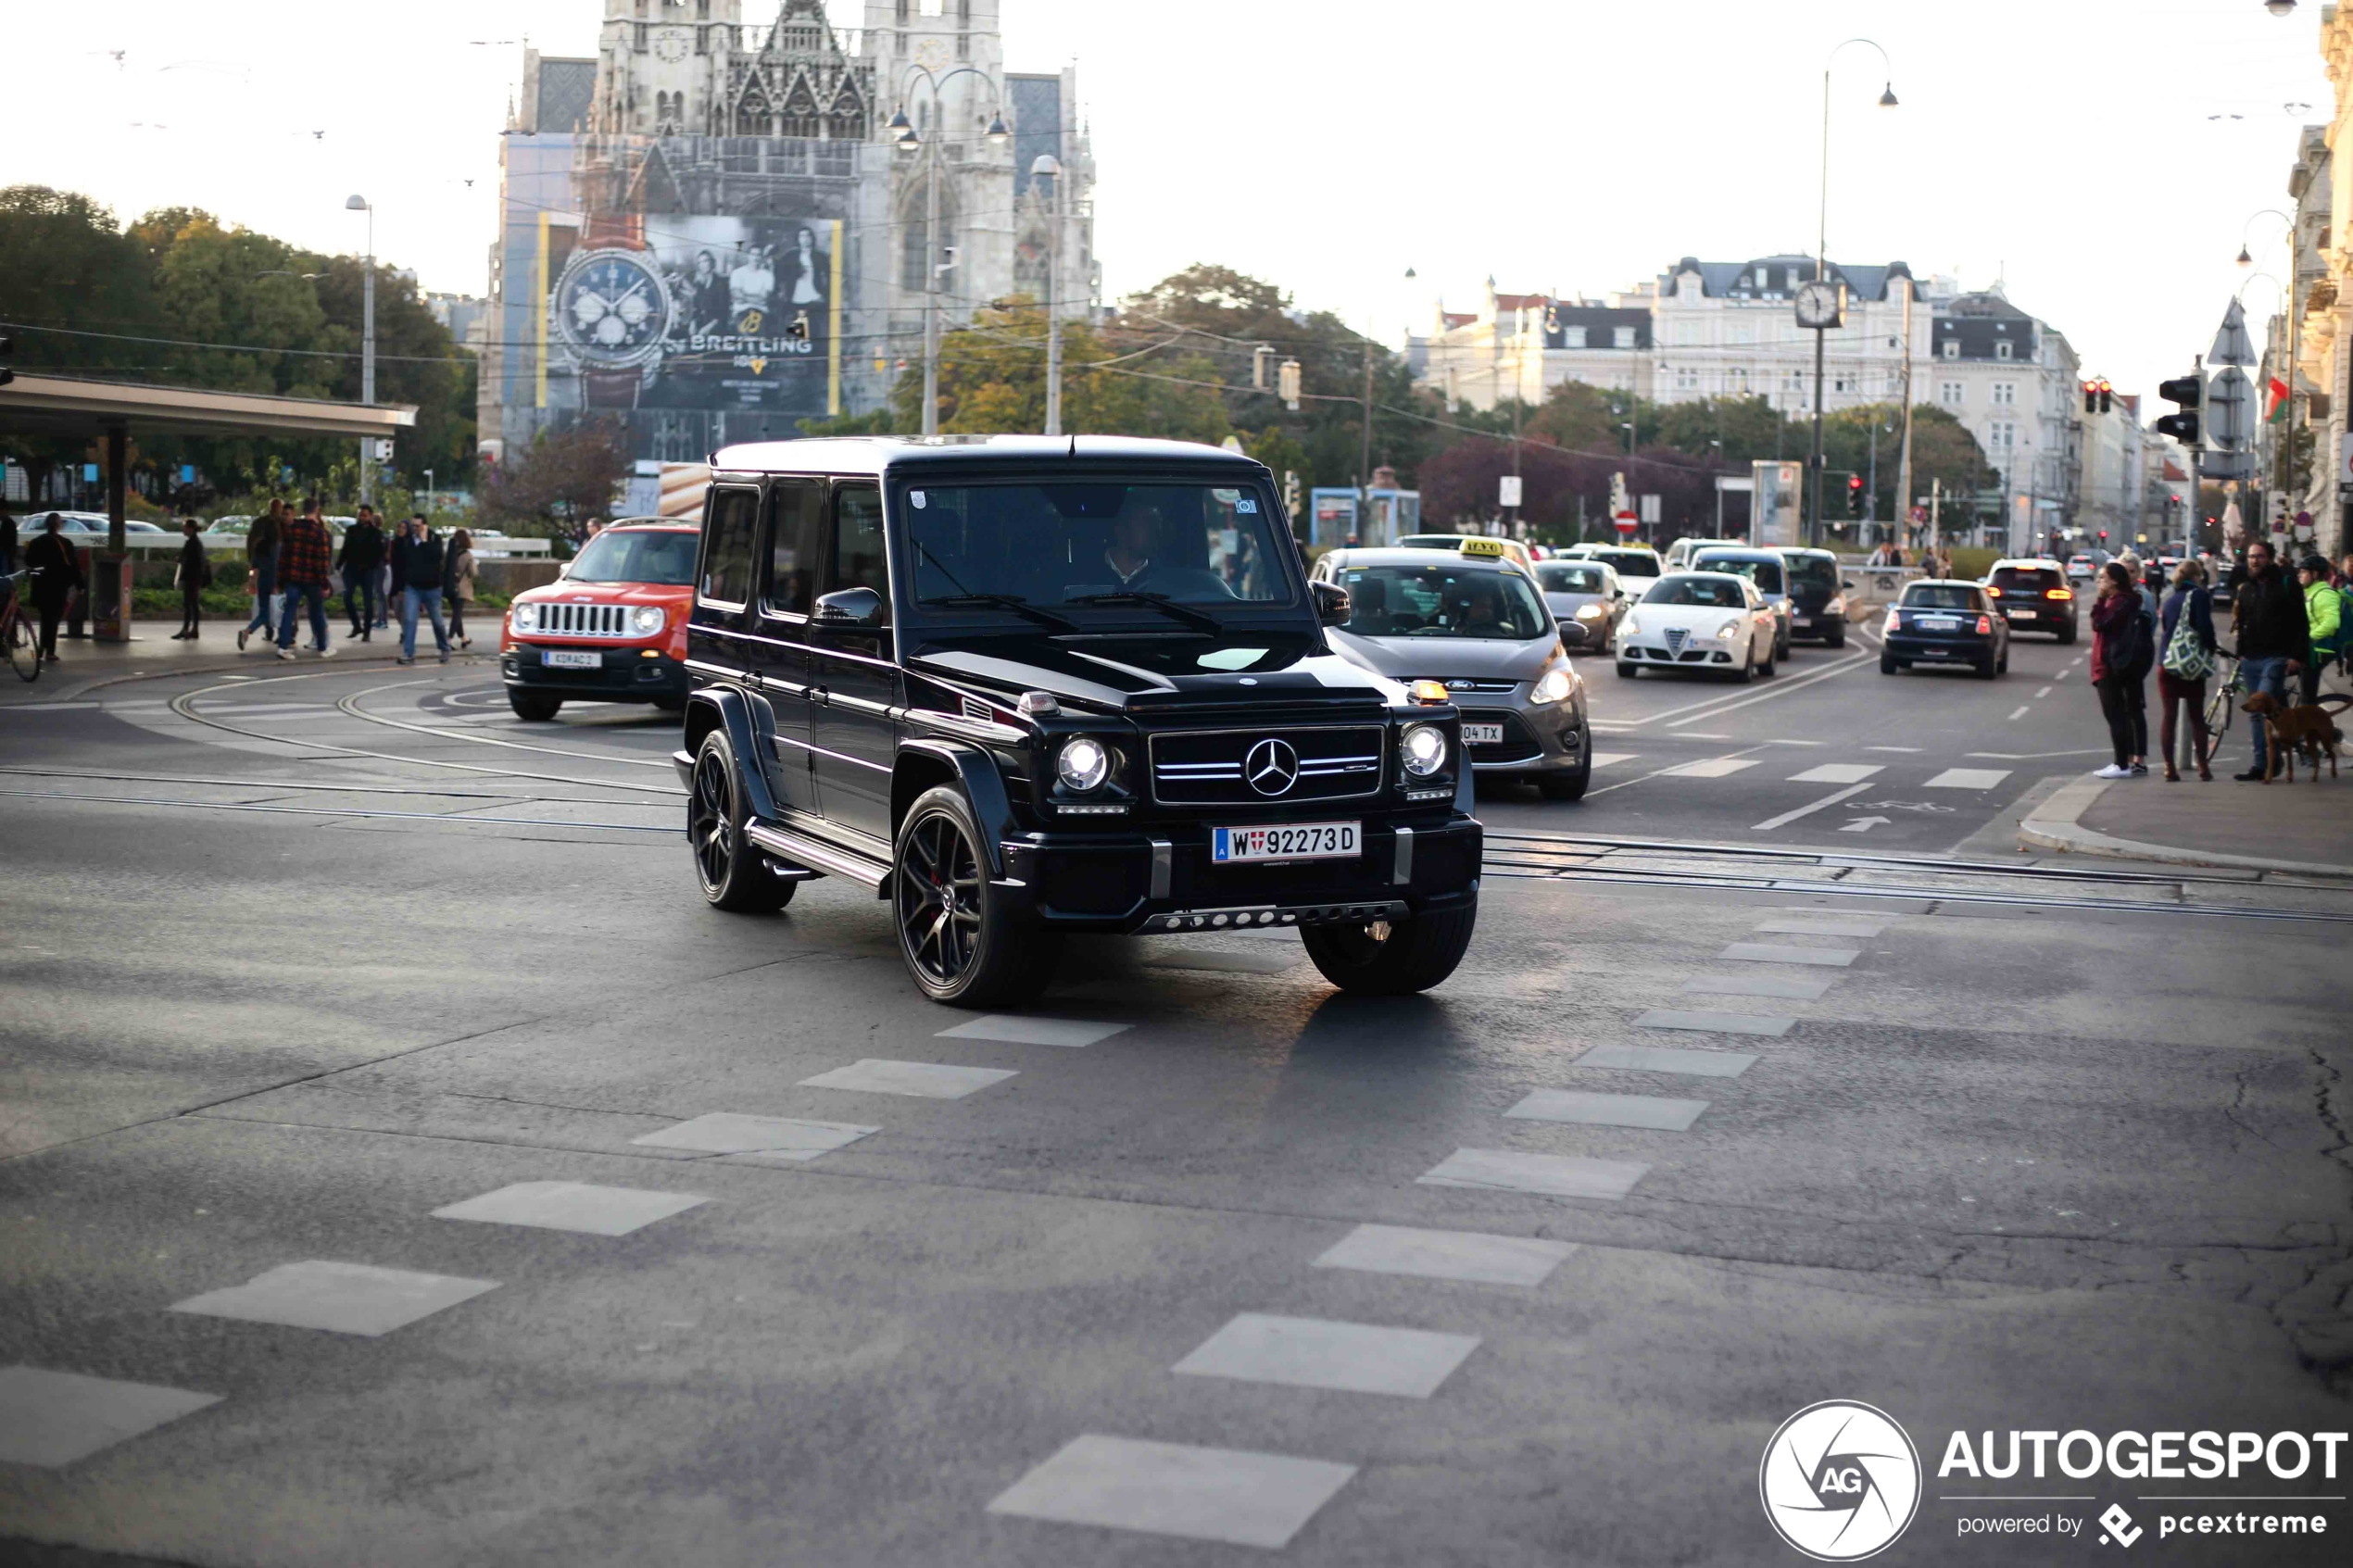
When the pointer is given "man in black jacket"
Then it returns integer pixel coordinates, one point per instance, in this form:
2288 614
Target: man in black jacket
2275 638
416 575
359 559
57 576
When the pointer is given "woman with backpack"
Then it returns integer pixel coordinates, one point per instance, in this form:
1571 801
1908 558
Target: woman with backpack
2186 634
2120 662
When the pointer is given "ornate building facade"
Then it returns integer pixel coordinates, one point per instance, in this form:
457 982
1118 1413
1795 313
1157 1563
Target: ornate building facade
712 233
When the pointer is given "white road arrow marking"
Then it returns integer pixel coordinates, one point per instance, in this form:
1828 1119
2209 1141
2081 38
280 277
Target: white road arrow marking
1864 824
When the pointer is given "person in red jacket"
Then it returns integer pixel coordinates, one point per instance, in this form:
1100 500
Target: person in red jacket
305 559
2117 643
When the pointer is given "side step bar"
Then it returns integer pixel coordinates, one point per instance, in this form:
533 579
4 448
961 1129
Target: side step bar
817 854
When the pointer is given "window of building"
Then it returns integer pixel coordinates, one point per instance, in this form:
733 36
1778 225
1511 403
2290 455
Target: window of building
2005 392
1952 348
1762 274
1621 337
2001 349
1949 394
912 251
1736 381
2001 435
931 7
902 13
1572 337
1686 379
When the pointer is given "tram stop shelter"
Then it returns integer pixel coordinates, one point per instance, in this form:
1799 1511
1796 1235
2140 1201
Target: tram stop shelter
37 405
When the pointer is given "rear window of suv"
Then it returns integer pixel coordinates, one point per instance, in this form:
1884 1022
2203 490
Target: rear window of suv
2034 579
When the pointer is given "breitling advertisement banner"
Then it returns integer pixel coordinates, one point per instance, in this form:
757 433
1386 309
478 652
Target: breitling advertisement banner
661 311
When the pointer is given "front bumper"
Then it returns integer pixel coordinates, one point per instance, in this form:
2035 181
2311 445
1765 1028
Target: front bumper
1134 881
1817 625
1535 739
623 674
1700 653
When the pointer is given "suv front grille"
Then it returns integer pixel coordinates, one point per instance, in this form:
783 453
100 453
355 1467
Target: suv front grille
583 621
1207 767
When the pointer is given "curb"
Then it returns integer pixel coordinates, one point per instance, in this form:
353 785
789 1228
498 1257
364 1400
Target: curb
2052 825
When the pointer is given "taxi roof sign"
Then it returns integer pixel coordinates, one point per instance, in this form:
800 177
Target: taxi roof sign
1490 549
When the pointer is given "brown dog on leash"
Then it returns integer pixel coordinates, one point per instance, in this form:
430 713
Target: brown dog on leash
2306 728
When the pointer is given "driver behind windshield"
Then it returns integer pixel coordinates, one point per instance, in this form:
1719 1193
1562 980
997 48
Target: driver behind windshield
1136 535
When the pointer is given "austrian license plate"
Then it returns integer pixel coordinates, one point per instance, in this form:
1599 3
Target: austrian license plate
1482 734
1801 621
572 659
1295 841
2019 614
1940 626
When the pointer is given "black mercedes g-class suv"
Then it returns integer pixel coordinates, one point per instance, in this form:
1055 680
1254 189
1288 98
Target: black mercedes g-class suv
1027 685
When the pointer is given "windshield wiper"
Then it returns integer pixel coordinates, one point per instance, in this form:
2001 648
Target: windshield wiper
1184 612
1014 602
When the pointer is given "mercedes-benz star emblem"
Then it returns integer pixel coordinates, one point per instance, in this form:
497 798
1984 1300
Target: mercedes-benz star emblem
1271 767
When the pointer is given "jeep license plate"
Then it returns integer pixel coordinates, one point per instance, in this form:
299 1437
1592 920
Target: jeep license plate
572 659
1293 841
1482 734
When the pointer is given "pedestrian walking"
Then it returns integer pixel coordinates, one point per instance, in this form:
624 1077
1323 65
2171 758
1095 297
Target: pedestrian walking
2268 622
304 577
2323 620
262 539
2141 574
2117 646
56 578
417 562
360 559
457 585
192 576
2187 636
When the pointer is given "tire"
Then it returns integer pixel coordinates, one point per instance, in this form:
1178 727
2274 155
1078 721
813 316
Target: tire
1748 667
2002 666
1835 639
1571 785
732 874
1773 662
532 706
2066 634
1887 665
1409 957
1987 669
24 648
966 948
1626 671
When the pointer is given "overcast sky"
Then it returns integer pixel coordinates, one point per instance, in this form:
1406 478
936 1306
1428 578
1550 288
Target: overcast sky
2067 147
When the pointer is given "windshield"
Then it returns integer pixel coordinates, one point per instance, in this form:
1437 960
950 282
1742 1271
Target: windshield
1627 563
1073 544
1940 595
1813 571
1766 574
1710 591
1443 601
629 556
1565 577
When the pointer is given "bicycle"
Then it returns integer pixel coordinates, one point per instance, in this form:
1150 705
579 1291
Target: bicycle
2223 703
18 633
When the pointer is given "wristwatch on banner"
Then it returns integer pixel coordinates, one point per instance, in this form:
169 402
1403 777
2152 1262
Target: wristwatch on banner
612 309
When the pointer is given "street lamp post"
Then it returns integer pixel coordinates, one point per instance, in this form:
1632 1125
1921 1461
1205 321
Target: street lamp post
908 144
367 343
1048 167
1822 266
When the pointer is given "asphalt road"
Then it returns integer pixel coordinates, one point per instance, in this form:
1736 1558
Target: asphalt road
1196 1263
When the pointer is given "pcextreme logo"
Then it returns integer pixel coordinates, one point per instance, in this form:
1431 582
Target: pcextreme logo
1840 1481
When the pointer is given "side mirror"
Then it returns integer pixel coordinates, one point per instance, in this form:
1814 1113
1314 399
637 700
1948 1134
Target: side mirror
848 609
1332 607
1572 632
1845 585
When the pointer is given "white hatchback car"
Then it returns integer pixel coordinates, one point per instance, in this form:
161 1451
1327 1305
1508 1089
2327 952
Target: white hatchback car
1707 622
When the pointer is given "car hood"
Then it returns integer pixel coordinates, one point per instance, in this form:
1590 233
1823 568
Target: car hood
1141 675
1694 617
1447 658
1570 604
569 593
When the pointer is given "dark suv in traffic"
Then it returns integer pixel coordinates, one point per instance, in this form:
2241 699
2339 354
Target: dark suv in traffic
1021 686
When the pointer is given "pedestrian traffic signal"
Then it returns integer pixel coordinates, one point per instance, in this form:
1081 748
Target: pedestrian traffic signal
1854 495
2190 393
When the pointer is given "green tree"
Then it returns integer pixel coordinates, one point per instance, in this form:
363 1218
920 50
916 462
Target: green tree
563 479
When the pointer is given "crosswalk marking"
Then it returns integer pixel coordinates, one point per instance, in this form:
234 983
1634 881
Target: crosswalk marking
924 1080
1710 768
1802 988
572 1206
1812 925
1837 772
1353 1358
1230 1495
1666 1058
1456 1255
1656 1112
1774 952
1548 1175
1012 1027
1714 1023
50 1418
1969 778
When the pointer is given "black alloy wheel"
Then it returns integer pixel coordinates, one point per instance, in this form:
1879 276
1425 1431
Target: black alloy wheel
1392 958
733 872
961 945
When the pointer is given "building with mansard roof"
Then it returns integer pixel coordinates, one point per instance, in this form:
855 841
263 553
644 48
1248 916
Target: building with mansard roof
709 235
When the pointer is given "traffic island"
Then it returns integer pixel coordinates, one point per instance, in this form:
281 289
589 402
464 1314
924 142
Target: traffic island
2299 829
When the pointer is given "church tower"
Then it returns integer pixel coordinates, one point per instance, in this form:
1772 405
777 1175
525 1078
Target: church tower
662 64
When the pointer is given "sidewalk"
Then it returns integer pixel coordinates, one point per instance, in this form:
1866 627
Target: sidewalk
85 666
2302 828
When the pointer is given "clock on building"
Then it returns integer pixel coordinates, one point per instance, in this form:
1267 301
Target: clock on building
673 45
931 52
1818 303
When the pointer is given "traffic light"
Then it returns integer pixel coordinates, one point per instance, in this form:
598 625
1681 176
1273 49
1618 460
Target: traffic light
2190 393
2091 399
2108 395
7 349
2103 535
1854 495
1259 358
1289 380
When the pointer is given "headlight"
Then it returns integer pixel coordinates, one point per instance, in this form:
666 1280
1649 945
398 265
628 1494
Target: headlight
1553 687
1730 629
1422 748
1630 625
1836 606
1083 764
1589 612
646 619
526 618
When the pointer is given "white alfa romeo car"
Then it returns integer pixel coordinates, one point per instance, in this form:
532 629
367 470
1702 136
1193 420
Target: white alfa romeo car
1709 622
